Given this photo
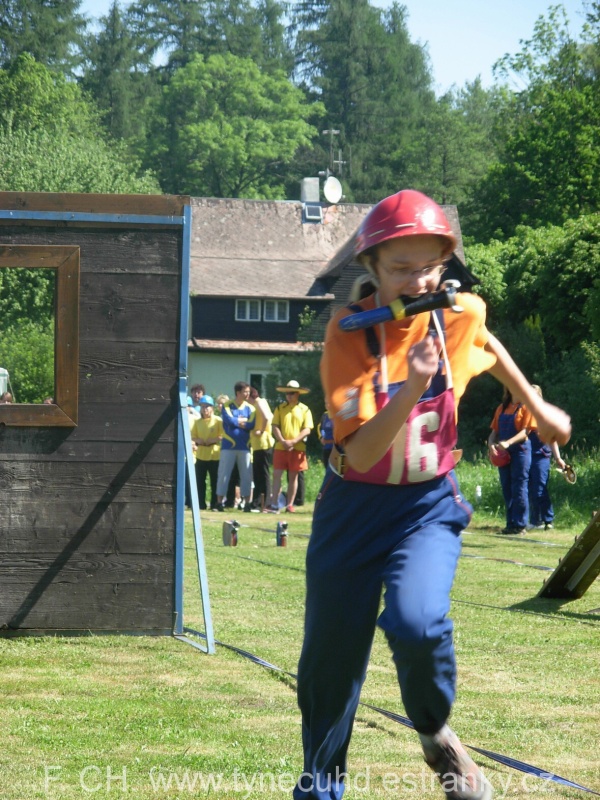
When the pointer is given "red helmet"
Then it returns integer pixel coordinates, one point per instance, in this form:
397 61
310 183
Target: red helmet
406 213
499 457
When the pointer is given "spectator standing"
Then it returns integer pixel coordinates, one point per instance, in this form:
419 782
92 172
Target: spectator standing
292 423
221 400
207 432
261 443
196 393
509 434
541 511
238 421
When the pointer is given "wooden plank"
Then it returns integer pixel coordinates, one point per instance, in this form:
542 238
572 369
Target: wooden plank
27 570
126 307
79 606
89 484
112 422
42 256
145 425
117 528
579 568
103 539
146 360
145 204
116 251
22 444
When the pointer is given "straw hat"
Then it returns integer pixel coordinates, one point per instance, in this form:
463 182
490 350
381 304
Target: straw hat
293 386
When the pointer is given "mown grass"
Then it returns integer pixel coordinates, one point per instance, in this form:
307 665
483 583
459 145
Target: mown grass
114 717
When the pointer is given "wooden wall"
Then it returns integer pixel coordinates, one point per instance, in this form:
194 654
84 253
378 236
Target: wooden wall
87 515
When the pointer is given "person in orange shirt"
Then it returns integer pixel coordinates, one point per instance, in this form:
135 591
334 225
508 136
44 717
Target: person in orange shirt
389 515
509 438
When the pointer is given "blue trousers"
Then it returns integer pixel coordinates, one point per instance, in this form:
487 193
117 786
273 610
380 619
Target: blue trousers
514 480
404 540
540 504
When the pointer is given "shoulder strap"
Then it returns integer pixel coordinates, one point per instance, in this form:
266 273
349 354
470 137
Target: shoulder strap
372 340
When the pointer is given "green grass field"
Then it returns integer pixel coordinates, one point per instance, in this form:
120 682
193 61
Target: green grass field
139 717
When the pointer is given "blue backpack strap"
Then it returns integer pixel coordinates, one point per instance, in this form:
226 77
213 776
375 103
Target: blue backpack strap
372 340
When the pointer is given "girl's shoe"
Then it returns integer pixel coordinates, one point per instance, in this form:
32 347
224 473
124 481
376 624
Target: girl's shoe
459 775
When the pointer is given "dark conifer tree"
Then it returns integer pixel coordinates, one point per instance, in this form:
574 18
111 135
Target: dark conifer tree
117 75
50 30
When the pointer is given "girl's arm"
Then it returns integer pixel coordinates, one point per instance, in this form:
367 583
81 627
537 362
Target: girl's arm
553 424
519 437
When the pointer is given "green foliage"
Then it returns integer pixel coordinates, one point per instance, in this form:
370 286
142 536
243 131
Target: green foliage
50 31
26 294
374 82
548 165
488 264
51 139
455 146
183 29
555 268
27 332
543 290
118 76
42 162
27 352
33 98
224 128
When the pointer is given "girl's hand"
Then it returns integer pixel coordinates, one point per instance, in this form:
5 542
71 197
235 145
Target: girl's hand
423 363
553 424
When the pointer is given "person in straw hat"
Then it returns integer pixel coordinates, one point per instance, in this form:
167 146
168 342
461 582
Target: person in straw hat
292 423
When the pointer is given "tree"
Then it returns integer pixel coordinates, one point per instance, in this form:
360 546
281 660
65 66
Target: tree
49 30
117 75
225 128
27 332
374 82
51 139
33 98
59 162
455 147
548 167
27 352
182 29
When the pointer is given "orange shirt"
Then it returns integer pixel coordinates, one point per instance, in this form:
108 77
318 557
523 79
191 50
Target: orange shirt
348 368
523 418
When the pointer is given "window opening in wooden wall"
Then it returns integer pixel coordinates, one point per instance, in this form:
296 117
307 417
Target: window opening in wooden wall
27 323
39 335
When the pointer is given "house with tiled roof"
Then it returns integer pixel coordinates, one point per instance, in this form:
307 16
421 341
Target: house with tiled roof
257 266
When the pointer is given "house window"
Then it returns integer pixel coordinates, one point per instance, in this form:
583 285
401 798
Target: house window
247 310
259 381
276 311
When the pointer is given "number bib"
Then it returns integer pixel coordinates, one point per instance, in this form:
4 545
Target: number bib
423 447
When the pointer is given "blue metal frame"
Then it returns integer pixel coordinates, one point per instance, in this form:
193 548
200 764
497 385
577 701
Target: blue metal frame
185 457
185 465
80 216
